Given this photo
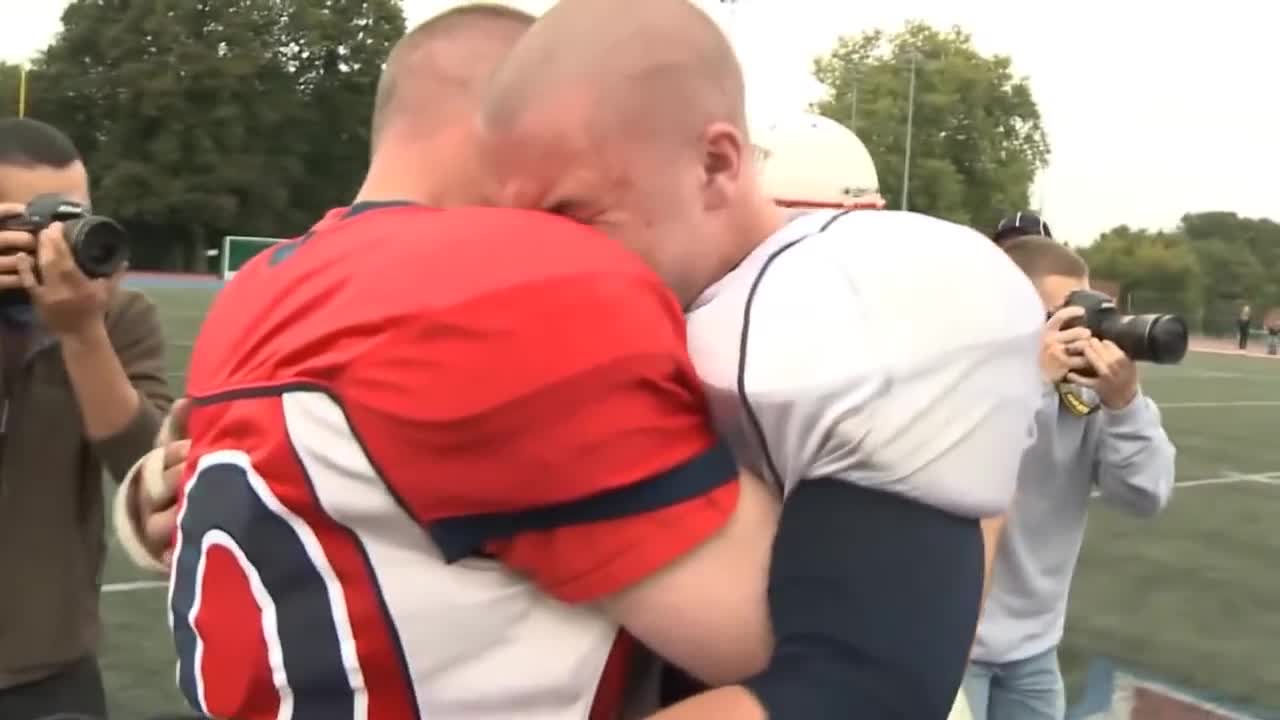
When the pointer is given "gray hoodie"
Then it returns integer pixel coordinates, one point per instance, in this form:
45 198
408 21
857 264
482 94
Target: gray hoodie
1126 457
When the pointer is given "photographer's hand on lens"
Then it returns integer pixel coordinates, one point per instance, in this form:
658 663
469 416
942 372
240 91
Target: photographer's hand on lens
69 303
1062 351
1116 375
13 245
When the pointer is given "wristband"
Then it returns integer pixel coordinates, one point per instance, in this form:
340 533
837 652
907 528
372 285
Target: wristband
127 530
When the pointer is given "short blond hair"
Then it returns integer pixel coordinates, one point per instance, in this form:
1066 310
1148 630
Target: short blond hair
1039 256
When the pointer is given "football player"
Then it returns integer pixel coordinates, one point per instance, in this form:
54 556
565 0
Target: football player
705 587
877 368
440 458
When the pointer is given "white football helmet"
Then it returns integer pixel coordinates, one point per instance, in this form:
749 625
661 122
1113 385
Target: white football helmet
810 161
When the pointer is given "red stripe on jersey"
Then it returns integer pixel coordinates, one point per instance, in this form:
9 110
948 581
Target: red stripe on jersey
246 424
611 693
235 670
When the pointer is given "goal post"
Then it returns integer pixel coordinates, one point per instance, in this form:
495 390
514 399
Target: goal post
239 249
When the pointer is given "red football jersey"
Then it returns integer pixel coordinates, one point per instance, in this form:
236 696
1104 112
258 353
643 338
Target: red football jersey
423 441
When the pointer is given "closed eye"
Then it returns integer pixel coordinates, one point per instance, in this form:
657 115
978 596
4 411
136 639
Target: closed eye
564 207
573 210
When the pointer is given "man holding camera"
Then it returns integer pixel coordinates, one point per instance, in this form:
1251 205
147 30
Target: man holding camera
83 390
1096 431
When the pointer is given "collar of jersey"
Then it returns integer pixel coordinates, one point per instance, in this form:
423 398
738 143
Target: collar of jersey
796 227
369 205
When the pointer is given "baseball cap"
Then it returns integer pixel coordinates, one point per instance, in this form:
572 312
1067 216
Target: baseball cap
1019 224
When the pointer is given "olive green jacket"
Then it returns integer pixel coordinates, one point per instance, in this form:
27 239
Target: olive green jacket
52 545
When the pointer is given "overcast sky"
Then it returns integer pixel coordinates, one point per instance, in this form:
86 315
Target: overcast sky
1151 111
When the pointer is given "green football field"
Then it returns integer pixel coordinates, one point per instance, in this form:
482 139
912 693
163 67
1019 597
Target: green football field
1188 596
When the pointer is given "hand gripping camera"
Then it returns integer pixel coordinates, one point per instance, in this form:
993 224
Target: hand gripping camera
1160 339
99 245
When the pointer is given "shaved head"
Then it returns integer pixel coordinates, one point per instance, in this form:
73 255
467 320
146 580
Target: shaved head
437 72
637 67
628 115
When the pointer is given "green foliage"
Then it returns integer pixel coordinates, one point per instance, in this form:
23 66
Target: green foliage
977 141
1214 263
200 118
10 79
1153 264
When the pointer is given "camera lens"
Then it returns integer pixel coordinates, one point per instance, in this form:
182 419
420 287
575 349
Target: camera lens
1167 339
98 244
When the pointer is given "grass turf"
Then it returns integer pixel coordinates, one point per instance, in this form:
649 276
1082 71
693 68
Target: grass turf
1185 596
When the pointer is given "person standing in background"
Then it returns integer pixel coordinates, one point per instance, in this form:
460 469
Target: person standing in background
1242 326
83 389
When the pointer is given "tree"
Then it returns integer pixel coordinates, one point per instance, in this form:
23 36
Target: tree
976 142
200 118
1241 258
10 79
337 53
1211 265
1245 252
1156 271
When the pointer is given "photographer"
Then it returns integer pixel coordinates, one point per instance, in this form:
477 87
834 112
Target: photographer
83 390
1095 431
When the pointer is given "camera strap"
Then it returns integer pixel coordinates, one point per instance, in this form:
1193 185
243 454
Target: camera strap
1073 401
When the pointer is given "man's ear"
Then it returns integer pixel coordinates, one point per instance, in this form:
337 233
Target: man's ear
723 163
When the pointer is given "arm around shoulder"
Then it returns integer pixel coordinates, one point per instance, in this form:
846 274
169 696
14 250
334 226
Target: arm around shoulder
705 611
1136 459
874 601
591 429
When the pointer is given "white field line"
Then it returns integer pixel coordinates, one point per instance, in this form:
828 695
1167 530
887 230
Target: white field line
1219 404
1228 478
135 585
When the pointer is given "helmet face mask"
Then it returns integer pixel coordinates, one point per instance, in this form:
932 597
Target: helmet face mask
871 201
808 161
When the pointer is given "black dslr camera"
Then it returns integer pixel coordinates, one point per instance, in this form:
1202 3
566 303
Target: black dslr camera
98 244
1160 339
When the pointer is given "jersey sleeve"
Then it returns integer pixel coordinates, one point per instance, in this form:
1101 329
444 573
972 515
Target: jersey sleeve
559 427
908 371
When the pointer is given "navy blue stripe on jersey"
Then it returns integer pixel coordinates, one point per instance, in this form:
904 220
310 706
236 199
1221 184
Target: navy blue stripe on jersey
286 249
465 536
223 504
361 208
752 418
874 602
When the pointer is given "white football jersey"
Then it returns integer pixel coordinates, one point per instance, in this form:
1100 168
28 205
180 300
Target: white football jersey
889 349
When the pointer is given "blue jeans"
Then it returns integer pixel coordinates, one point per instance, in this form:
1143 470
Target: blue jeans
1029 689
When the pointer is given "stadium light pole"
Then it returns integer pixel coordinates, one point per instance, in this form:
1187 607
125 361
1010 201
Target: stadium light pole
22 90
853 102
911 111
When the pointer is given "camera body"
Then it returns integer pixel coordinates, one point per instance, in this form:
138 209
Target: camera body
1161 339
99 245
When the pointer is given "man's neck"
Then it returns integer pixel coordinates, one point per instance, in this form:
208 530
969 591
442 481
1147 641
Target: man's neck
388 184
756 228
397 171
